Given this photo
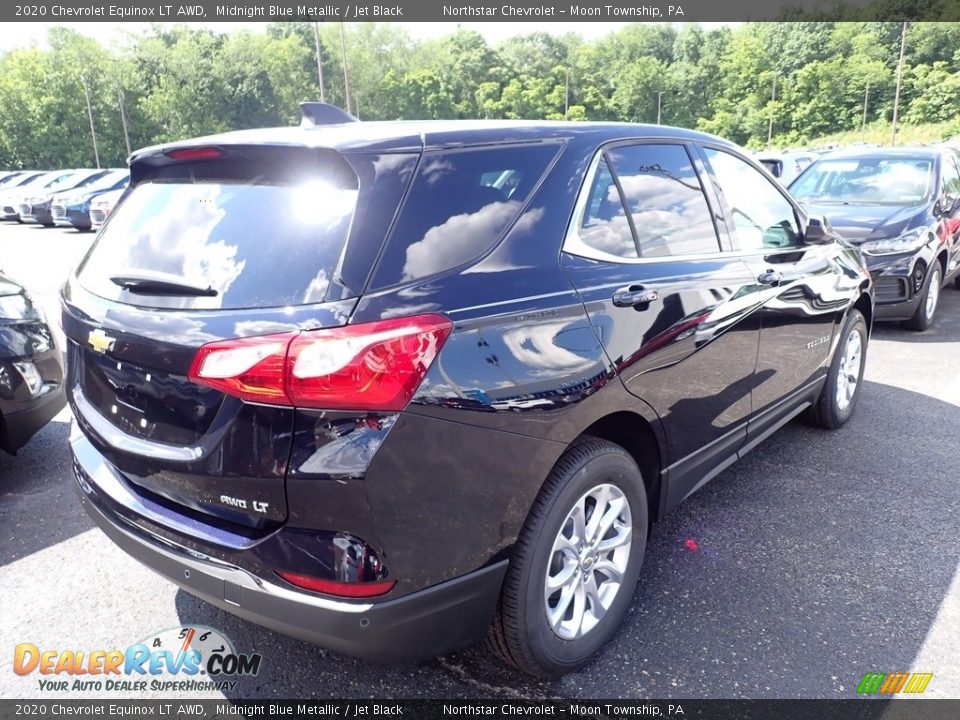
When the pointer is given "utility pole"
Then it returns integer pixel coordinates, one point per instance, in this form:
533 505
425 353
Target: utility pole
773 100
316 37
346 78
93 131
896 97
566 96
659 95
866 100
123 119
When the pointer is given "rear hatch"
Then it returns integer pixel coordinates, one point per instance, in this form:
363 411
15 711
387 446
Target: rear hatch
211 244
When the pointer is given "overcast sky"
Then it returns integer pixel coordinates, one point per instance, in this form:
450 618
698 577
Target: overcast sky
23 34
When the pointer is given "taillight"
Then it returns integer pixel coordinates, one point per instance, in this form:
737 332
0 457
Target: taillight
334 587
369 366
250 368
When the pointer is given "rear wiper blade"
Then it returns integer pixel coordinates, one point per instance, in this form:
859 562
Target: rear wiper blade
154 285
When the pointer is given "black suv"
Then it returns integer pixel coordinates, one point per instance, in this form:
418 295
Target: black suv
383 386
31 367
901 206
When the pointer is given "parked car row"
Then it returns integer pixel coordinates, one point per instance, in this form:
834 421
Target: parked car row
61 197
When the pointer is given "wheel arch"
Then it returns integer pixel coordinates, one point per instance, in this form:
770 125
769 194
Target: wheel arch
865 305
636 435
942 259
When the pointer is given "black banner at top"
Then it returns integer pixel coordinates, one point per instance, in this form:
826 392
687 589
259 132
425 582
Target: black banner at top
479 10
176 708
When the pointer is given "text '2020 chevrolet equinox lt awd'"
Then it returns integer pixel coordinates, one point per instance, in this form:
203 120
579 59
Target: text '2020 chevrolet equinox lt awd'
392 387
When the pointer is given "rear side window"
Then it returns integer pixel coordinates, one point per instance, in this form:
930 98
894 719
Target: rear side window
643 201
663 195
458 206
256 234
605 226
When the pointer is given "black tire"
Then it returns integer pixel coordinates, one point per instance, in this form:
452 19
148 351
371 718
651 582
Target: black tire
521 633
956 282
826 411
920 320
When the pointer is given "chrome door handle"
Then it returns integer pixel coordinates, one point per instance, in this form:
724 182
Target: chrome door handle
634 295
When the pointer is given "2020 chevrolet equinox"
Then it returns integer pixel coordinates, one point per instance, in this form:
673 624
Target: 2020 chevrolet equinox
395 387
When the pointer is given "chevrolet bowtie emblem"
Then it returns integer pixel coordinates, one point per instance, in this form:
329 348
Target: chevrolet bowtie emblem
100 341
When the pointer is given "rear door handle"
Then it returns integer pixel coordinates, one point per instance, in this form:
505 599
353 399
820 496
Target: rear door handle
770 277
634 295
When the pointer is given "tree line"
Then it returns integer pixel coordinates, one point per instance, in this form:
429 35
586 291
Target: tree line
792 81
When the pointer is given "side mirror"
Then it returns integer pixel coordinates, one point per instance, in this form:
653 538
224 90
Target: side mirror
946 205
818 231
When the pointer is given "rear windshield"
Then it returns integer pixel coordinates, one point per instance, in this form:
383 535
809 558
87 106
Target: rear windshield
253 236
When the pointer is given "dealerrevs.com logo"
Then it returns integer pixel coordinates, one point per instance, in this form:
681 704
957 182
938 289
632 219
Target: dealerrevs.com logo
184 659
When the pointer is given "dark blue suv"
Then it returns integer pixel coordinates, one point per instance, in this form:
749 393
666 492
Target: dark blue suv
394 387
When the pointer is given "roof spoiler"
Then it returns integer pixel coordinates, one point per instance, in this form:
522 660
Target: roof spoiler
320 113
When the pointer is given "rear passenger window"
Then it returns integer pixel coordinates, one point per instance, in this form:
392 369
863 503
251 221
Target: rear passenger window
644 201
458 206
662 193
762 217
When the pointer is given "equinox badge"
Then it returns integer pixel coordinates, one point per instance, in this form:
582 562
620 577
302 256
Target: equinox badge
100 341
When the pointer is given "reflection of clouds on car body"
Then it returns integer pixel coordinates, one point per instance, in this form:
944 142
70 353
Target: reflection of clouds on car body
535 345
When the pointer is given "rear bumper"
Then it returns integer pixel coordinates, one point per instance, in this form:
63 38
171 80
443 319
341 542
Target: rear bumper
426 623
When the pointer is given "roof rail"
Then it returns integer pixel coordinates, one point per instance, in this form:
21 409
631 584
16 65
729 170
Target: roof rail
320 113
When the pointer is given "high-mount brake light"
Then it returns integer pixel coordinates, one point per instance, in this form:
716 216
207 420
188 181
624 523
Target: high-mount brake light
375 366
199 153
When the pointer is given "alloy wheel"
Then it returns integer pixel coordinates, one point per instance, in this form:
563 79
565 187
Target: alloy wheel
933 295
848 375
588 561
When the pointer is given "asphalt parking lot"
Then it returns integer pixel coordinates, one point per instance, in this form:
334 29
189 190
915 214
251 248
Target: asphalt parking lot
818 558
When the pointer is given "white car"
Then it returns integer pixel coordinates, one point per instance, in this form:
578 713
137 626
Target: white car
786 166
